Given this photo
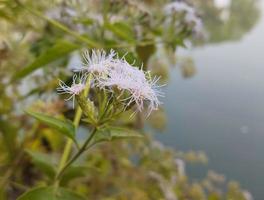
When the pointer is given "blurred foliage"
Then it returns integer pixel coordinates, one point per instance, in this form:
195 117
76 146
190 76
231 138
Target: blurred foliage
227 23
40 40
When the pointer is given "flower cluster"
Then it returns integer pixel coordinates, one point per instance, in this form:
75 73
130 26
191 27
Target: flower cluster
190 14
109 72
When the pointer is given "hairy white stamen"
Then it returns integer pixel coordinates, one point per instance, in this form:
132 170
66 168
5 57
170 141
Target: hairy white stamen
96 61
75 89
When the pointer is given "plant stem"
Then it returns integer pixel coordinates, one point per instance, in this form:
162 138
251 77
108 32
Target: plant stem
77 155
67 148
76 121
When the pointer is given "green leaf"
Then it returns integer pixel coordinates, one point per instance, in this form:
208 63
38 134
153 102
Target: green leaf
74 172
65 127
113 133
49 193
118 132
122 30
43 162
84 21
60 49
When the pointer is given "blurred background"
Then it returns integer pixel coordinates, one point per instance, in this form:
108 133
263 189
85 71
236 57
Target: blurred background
210 123
219 109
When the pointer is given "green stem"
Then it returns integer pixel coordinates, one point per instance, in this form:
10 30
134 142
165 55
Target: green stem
67 148
76 121
77 155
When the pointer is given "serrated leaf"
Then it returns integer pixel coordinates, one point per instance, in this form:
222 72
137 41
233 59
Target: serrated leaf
122 30
43 162
65 127
49 193
60 49
112 133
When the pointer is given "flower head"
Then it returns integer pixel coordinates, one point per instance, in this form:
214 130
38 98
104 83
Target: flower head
75 89
129 79
190 15
191 18
96 61
146 92
109 72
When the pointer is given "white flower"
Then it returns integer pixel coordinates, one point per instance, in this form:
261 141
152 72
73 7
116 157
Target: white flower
198 24
127 78
75 89
108 72
121 74
190 16
96 62
146 92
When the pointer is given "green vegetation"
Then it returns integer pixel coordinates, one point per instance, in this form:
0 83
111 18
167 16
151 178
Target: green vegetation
40 42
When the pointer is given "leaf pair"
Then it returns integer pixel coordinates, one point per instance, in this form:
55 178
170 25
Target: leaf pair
68 129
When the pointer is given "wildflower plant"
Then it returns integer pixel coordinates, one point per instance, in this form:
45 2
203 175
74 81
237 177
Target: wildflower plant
104 88
110 96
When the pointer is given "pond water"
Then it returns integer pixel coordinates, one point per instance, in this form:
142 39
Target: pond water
220 110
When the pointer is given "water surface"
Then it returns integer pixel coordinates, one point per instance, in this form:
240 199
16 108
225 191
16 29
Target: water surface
221 109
